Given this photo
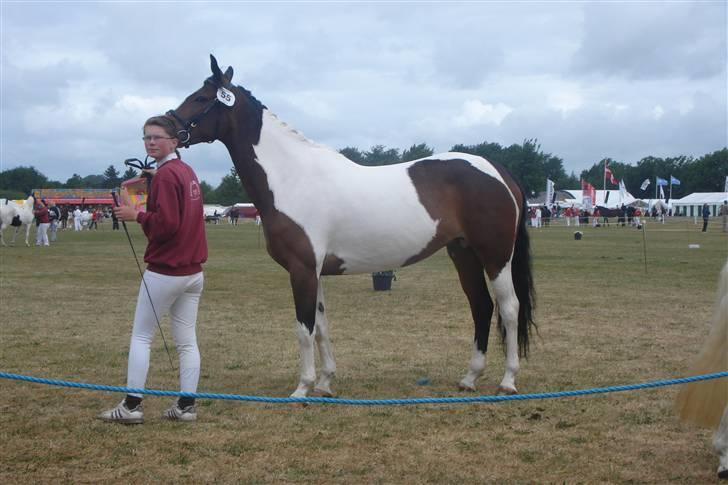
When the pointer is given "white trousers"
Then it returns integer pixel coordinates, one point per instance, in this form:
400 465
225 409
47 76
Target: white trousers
178 296
76 223
41 234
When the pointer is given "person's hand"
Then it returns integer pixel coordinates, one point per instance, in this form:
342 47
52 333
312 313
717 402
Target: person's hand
125 211
150 171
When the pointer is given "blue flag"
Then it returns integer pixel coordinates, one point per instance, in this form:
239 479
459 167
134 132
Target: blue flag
660 181
674 181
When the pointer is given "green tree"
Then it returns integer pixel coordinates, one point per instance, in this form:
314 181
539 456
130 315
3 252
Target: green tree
353 154
231 191
94 182
22 179
130 173
415 152
379 155
111 176
75 182
208 193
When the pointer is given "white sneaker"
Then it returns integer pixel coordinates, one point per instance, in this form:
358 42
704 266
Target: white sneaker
176 413
122 414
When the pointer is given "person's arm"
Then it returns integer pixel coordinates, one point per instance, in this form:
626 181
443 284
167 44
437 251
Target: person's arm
162 221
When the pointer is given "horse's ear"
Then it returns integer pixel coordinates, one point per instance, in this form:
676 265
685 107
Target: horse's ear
216 72
229 73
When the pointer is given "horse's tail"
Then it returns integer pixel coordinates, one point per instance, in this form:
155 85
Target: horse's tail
703 402
523 281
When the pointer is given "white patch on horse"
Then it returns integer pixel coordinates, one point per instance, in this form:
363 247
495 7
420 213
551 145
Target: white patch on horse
369 217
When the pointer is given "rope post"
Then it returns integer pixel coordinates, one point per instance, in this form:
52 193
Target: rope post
644 246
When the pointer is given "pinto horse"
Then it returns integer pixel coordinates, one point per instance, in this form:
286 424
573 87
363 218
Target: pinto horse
325 215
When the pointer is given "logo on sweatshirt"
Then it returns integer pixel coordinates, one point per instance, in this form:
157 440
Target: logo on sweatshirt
194 190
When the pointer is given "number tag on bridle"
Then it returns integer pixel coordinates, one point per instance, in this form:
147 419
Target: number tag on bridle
225 97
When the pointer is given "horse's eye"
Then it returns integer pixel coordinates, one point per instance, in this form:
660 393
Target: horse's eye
200 99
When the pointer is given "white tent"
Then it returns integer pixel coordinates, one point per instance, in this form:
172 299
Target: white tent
692 205
614 200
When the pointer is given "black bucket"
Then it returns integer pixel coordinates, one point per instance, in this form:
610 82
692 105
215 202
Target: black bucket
382 282
577 235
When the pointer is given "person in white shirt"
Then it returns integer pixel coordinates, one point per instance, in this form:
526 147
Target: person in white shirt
77 219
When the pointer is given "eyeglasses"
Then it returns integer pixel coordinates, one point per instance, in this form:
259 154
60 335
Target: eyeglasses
156 138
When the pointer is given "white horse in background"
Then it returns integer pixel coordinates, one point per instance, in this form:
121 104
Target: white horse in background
705 403
24 212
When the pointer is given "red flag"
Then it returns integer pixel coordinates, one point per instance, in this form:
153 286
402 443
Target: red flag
588 194
609 175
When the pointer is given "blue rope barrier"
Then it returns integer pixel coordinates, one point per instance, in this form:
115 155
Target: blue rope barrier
366 402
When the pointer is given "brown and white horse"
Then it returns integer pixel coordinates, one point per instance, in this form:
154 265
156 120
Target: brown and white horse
325 215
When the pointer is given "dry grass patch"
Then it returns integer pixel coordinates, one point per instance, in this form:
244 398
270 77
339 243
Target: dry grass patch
67 313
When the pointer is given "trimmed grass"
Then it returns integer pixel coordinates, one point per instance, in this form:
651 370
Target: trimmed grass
67 311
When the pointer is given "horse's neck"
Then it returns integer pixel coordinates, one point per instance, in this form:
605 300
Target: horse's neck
284 149
282 153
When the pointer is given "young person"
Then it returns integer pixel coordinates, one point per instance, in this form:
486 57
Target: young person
174 226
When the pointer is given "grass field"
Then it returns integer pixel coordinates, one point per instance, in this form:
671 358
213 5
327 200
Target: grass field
603 320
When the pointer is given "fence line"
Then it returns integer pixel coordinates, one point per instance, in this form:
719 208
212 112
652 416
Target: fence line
367 402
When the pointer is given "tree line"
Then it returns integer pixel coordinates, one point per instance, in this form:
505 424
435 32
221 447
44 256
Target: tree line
526 161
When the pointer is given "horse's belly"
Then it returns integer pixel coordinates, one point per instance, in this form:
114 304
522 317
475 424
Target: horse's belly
374 250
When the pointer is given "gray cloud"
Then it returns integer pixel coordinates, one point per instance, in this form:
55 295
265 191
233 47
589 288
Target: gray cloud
588 80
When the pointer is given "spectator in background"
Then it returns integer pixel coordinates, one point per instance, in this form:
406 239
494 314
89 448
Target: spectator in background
724 215
64 218
114 222
93 224
77 219
41 215
706 216
54 215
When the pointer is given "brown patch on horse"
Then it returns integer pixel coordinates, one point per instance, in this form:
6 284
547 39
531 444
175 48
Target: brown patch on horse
467 203
333 265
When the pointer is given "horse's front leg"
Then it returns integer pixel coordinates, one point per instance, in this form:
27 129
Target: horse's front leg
304 283
328 365
27 235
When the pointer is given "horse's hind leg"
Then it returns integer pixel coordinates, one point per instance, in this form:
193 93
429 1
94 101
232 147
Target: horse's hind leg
328 365
508 309
472 279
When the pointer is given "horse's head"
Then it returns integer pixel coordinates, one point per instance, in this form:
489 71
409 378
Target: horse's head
216 110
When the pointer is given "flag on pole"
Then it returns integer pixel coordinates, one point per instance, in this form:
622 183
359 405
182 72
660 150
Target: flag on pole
608 173
660 181
647 182
549 192
674 181
622 190
662 194
588 195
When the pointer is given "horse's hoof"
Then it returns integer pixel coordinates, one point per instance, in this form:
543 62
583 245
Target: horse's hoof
300 405
322 393
466 387
506 391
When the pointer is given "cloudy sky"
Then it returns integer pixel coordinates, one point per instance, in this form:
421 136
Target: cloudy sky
588 80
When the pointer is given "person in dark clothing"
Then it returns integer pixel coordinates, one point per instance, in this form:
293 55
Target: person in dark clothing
114 222
706 216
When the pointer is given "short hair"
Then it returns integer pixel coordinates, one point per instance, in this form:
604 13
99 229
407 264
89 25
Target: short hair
163 122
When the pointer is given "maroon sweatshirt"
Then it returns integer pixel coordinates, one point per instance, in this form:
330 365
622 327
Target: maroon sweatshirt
42 215
174 222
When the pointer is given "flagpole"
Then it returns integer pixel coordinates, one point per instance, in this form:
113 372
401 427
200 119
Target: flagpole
604 185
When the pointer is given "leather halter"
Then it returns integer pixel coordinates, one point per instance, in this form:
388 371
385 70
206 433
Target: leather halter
184 134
